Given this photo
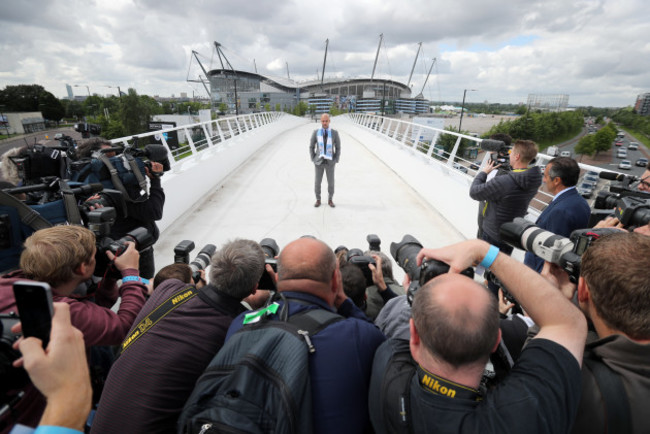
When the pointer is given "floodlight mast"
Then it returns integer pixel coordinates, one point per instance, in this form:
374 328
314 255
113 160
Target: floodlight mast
381 38
414 62
322 79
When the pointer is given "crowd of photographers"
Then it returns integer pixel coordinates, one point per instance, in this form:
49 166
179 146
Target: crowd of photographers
437 353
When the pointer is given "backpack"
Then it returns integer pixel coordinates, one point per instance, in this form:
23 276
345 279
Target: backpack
259 381
394 414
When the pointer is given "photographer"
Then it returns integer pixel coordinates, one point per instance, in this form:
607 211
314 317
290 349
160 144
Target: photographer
189 327
385 288
614 295
64 257
454 329
507 196
142 211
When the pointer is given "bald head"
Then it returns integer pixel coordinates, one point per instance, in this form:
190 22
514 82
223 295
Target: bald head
325 120
457 319
308 259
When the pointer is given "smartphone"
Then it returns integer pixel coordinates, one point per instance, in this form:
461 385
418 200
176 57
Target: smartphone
34 303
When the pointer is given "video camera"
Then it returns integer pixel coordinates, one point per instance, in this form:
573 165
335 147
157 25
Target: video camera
87 129
500 152
565 252
12 380
631 207
405 253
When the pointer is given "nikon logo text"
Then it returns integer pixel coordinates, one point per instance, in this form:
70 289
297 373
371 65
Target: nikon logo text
181 297
435 387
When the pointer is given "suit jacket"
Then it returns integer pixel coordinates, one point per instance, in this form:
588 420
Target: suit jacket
562 216
336 144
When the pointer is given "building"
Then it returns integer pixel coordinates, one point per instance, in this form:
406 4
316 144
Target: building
258 92
642 105
548 102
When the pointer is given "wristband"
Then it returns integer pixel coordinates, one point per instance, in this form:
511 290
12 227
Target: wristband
490 257
135 279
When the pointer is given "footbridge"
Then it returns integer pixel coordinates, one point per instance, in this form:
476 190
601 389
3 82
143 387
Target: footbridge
251 177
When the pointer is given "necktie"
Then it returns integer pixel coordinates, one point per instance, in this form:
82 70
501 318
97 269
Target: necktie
325 137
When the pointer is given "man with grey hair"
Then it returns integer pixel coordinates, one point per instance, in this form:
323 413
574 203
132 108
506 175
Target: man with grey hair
179 330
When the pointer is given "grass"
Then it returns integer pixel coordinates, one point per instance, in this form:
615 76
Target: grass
641 137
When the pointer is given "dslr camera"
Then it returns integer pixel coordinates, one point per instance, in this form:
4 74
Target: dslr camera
202 260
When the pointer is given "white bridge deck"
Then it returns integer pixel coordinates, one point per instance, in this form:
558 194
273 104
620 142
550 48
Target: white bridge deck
271 195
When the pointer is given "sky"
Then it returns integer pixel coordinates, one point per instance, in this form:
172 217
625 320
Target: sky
596 51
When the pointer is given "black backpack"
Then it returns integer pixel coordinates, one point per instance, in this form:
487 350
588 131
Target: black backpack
259 381
393 413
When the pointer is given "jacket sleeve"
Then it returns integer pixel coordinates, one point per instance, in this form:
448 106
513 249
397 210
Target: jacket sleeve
337 145
103 326
152 208
312 145
495 189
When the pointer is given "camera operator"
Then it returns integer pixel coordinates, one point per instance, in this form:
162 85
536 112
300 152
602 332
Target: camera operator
64 257
144 211
567 211
455 327
614 295
165 359
507 196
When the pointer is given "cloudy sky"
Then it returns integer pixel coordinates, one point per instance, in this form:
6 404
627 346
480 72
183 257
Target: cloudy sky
596 51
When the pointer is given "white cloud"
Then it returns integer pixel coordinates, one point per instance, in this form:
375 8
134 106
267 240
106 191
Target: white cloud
594 50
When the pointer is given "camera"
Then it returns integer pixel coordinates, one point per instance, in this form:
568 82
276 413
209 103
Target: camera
405 253
87 129
565 252
500 152
631 208
200 262
12 380
362 262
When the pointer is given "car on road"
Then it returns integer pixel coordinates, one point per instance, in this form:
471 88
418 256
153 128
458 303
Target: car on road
565 154
475 165
460 167
590 178
633 146
622 153
585 190
625 165
642 162
618 143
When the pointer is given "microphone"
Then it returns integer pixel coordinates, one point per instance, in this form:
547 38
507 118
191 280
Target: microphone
492 145
612 176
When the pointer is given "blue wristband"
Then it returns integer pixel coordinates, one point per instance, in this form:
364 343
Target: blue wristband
135 279
490 257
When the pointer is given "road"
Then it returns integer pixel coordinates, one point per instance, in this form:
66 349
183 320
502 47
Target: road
44 137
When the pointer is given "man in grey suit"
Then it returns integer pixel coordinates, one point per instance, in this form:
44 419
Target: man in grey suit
325 151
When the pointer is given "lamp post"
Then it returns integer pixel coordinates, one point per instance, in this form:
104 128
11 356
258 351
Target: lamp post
462 108
119 92
87 88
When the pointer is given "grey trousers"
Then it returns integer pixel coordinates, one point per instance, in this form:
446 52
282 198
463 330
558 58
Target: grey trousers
328 168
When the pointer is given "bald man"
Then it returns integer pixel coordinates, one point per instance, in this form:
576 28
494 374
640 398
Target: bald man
453 330
325 151
309 278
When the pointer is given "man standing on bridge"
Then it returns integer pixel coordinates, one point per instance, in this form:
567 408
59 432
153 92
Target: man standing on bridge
325 151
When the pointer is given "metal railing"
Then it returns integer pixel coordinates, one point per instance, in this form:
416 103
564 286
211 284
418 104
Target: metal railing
198 137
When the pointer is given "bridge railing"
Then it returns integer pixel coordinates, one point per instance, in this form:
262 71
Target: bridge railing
198 137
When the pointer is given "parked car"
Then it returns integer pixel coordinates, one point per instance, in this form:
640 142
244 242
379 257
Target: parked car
643 162
625 164
633 146
475 165
590 179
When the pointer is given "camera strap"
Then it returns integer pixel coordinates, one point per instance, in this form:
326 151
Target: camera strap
27 215
165 308
70 203
117 182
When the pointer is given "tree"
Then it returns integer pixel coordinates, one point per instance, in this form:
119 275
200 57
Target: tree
134 114
448 141
31 98
585 146
602 140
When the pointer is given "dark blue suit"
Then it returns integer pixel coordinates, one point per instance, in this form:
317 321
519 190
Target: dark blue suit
562 216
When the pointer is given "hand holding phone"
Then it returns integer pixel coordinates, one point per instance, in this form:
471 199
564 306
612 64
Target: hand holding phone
34 303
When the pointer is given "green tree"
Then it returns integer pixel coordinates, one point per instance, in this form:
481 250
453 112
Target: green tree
602 140
31 98
223 108
521 110
134 113
448 141
585 146
301 109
